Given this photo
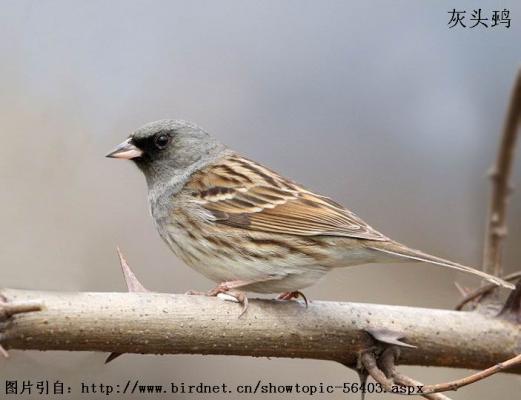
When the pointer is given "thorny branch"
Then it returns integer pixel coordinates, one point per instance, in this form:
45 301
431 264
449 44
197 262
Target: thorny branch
501 187
157 323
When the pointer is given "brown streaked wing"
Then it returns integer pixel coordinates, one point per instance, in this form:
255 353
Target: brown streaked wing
244 194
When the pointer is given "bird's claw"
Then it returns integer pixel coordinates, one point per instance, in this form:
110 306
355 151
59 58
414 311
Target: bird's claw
293 295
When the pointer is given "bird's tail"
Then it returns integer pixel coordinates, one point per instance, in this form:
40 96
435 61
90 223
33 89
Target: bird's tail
400 251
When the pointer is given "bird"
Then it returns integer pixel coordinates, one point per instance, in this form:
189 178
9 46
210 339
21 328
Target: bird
246 227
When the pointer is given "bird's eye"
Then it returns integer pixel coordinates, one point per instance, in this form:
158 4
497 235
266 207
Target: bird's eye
161 141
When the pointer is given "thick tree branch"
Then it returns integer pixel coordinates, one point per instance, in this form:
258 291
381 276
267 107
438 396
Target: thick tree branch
180 324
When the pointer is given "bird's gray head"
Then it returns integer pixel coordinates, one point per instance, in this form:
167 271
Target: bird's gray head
169 151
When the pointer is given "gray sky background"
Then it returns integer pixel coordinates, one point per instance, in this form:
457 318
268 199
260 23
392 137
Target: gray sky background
376 104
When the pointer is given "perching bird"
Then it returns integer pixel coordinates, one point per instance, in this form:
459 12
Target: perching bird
246 227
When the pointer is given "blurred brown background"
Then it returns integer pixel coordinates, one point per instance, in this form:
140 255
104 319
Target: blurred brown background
377 104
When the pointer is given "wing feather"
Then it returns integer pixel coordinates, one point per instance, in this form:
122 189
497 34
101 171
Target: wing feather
244 194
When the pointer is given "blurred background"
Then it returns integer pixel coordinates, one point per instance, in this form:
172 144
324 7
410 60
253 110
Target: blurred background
377 104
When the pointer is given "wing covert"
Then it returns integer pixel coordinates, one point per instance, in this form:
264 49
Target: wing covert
243 194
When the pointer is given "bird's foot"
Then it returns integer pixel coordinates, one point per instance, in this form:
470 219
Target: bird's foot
225 291
293 295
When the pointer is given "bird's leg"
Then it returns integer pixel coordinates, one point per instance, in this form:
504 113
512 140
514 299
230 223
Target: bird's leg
220 288
293 295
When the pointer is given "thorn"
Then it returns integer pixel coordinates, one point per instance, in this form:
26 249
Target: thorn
133 284
112 357
388 336
463 291
500 231
492 173
3 352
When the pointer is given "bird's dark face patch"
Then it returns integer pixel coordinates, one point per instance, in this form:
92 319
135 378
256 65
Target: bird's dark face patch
155 145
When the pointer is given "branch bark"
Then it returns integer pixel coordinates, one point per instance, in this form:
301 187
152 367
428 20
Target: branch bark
180 324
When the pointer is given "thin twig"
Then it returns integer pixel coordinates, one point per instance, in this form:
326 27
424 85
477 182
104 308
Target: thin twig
454 385
405 380
500 175
480 291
